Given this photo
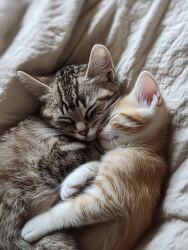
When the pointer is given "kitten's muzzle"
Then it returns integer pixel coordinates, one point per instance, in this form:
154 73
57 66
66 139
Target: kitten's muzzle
90 138
82 128
84 132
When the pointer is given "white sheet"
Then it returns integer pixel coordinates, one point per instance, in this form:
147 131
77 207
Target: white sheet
38 36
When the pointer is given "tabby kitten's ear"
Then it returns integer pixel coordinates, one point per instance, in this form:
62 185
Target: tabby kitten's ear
100 63
36 85
146 88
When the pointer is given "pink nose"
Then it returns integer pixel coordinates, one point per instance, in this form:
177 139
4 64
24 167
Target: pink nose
82 128
84 132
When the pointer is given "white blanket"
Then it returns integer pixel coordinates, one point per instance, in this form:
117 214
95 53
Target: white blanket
40 35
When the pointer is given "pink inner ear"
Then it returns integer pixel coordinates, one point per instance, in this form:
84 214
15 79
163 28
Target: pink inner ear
146 87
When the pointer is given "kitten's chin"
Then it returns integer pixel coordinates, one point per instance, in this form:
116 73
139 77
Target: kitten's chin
85 138
80 137
90 138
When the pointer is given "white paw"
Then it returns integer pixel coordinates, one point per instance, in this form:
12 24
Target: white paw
78 179
68 190
36 228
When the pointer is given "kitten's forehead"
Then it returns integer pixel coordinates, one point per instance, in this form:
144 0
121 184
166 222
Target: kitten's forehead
129 107
74 92
75 87
67 84
68 76
74 70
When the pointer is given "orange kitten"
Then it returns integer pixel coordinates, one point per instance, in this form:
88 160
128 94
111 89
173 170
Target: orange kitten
123 196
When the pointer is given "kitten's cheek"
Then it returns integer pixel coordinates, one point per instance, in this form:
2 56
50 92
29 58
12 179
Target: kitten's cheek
104 133
104 144
91 134
103 139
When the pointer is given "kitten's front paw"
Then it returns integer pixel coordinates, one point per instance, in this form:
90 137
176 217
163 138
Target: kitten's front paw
36 227
68 190
78 179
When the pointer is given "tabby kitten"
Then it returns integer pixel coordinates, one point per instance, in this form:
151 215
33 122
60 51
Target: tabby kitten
36 155
118 206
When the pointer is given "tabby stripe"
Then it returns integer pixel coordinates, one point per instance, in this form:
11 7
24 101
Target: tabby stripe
128 129
105 193
136 118
110 180
61 98
77 99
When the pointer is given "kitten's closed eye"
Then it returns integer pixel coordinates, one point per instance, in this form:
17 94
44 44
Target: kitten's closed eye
66 120
99 109
90 111
96 112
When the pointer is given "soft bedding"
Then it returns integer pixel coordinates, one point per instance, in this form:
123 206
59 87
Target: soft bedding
39 36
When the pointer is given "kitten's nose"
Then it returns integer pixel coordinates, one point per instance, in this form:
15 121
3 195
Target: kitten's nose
84 132
81 128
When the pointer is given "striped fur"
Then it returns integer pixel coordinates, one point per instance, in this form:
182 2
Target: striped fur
35 157
76 99
118 206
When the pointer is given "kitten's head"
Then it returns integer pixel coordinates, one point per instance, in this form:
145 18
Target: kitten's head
138 117
77 99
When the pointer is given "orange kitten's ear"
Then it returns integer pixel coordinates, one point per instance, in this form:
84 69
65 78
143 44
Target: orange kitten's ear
100 62
36 85
146 88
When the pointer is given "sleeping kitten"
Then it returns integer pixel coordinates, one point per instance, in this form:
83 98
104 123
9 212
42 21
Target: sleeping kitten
120 202
35 156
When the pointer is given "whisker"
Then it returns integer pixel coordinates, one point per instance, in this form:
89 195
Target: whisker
113 140
117 144
111 137
98 121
